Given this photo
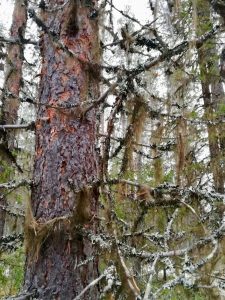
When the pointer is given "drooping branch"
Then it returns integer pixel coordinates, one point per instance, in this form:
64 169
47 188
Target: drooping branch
107 271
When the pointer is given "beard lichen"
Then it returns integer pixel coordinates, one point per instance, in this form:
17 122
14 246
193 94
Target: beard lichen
37 232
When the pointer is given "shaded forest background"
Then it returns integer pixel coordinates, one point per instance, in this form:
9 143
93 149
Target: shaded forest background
160 147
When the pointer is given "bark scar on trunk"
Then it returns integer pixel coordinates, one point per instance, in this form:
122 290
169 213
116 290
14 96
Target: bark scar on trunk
71 27
37 232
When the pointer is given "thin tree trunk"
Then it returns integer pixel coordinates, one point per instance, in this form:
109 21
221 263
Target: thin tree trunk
156 138
210 89
10 97
13 69
181 151
60 261
212 92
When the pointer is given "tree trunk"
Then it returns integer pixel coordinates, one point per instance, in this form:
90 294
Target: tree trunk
60 260
212 93
10 98
13 68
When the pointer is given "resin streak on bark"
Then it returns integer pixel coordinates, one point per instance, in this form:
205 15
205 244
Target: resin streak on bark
66 162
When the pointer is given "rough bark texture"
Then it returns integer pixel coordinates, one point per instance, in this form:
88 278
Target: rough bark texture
10 97
66 166
13 68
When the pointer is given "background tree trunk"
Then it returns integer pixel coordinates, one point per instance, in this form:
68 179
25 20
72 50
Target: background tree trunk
66 165
212 92
10 98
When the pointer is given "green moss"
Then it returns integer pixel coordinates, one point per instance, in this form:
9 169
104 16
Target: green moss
5 171
182 293
11 272
221 109
193 114
19 198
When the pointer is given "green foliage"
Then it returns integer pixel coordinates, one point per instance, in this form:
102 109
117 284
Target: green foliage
204 26
11 272
119 209
184 13
169 176
182 293
5 171
19 198
193 114
146 174
221 109
196 166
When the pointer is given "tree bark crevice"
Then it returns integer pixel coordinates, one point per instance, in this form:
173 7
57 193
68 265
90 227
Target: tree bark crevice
66 162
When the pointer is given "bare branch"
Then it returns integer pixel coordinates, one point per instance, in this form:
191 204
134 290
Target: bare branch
102 98
94 282
149 284
29 126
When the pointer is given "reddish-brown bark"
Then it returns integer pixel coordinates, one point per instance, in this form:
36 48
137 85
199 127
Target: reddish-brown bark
66 162
10 95
13 68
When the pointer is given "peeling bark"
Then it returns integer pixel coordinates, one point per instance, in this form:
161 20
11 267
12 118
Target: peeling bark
66 165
